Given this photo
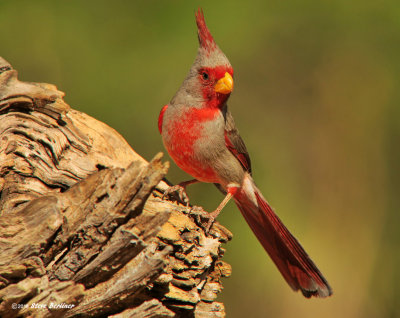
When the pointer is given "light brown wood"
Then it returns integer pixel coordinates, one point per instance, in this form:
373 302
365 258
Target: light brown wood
83 229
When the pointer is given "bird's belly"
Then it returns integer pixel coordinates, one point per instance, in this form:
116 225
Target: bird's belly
182 151
181 140
196 169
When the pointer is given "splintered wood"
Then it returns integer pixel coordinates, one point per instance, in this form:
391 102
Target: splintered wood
83 229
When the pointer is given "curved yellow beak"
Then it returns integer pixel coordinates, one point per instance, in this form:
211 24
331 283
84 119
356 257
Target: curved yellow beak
225 84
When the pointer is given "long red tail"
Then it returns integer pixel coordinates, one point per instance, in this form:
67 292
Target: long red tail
288 255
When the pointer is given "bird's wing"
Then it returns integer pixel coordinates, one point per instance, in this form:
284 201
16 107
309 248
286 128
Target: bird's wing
161 117
234 142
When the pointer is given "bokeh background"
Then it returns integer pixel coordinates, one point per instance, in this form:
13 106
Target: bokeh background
316 100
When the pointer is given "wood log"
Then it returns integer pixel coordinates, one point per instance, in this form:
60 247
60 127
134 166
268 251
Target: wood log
83 228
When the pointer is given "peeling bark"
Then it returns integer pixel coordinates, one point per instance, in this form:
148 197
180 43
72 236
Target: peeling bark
83 229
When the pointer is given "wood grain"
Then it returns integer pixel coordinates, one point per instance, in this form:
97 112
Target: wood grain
83 229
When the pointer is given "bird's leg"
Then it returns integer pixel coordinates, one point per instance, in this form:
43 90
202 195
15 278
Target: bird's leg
210 217
181 190
213 215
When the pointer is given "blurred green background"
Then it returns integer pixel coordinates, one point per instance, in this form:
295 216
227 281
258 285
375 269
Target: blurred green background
316 100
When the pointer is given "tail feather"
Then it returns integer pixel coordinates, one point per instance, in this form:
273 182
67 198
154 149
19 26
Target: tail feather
295 265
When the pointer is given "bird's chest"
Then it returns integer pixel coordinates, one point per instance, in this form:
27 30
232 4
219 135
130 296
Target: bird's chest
190 139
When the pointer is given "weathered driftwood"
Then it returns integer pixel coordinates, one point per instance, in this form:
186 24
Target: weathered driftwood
83 230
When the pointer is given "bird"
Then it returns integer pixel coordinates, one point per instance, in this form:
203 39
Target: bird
200 135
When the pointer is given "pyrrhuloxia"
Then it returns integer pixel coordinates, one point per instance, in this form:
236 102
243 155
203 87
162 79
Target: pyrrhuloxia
200 135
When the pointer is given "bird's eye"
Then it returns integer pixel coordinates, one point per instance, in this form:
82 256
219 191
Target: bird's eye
205 76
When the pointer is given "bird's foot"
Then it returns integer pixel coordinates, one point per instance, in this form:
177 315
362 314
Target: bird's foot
211 219
176 191
209 224
203 218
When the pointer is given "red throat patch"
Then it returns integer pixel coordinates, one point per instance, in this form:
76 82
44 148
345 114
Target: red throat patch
205 38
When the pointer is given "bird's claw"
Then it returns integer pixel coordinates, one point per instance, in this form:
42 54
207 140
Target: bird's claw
179 191
200 216
209 224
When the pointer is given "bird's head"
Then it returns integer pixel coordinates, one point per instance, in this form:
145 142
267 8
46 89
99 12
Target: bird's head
210 80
